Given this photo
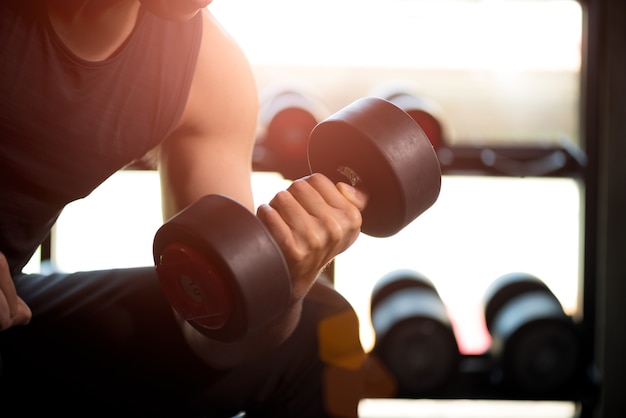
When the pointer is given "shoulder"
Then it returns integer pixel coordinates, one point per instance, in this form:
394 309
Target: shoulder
223 83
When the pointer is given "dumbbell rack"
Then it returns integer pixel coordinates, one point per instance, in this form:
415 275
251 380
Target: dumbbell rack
477 376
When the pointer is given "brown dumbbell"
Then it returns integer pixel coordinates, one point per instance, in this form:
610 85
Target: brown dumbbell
220 268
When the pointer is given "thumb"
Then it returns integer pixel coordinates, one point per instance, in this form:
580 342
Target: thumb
356 196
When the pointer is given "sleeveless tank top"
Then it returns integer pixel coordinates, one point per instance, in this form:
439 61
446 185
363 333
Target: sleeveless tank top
67 124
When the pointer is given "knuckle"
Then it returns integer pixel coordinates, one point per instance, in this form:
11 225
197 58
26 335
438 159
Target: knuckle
299 186
281 198
334 230
318 178
355 217
296 256
316 239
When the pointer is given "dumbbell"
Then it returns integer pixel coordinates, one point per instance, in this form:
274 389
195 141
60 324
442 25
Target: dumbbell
535 345
414 335
220 268
287 119
422 110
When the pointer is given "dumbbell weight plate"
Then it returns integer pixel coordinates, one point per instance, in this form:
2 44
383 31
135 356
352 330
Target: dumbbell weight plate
422 112
507 287
414 335
286 121
220 269
375 145
534 342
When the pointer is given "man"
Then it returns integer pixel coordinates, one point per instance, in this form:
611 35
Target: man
86 87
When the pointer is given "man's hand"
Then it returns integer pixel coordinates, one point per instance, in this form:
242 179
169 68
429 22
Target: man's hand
13 310
313 221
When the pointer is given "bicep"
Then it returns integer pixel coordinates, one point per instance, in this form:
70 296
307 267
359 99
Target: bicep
211 151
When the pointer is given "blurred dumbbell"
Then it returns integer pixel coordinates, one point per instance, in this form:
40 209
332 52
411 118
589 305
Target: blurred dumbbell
286 119
220 268
414 335
422 109
534 343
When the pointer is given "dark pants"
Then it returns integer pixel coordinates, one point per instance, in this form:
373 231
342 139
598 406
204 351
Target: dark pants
105 344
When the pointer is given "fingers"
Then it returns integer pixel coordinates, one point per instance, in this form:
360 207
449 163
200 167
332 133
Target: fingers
13 310
313 209
313 221
317 194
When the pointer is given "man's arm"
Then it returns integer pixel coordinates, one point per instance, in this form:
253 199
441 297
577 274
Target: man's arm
211 152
